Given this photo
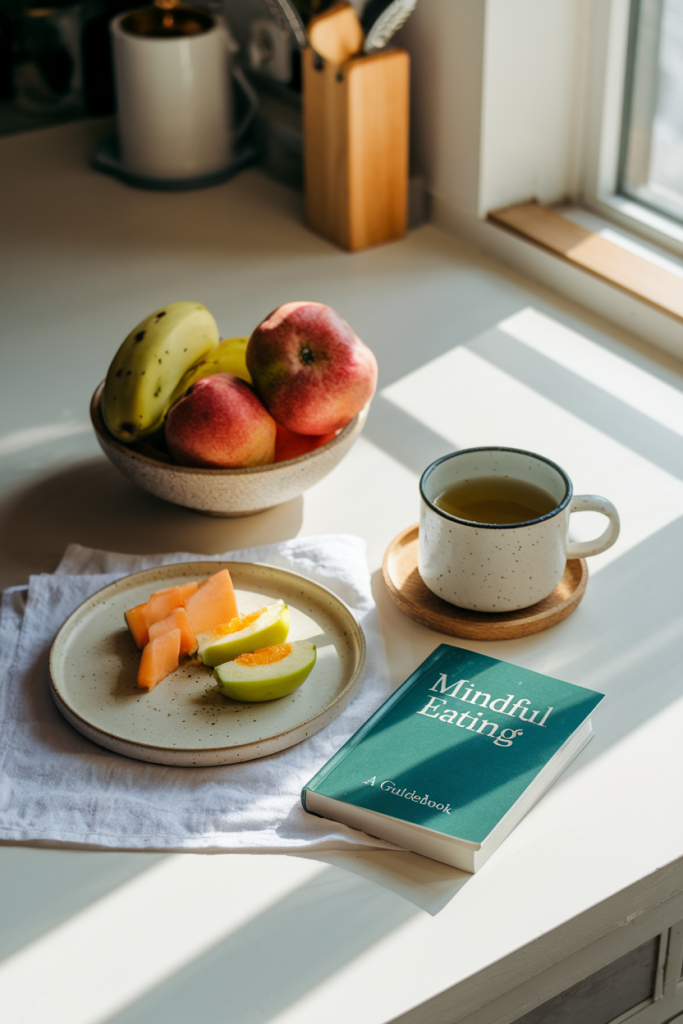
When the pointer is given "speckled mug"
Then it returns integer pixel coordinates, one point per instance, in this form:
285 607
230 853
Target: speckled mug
502 567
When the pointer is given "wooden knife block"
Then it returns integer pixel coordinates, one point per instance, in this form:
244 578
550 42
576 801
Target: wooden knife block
356 147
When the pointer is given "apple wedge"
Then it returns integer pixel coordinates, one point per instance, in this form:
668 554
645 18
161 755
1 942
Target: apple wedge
246 633
267 674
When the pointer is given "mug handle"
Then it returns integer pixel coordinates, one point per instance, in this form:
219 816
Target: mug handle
594 503
252 100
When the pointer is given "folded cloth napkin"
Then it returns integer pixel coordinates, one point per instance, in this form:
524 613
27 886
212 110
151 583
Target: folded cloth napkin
56 785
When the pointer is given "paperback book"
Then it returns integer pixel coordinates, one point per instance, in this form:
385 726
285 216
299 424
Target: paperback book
456 757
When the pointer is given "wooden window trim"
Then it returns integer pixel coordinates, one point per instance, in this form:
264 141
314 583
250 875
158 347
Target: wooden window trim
588 250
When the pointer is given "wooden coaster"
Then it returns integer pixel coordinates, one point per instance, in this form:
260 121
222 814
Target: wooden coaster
411 595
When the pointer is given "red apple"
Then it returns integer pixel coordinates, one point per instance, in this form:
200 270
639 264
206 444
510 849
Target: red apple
312 373
290 446
220 422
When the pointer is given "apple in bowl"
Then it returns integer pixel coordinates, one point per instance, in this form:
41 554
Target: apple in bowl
220 422
310 370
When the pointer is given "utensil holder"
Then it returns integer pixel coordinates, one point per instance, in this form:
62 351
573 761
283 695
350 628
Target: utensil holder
356 123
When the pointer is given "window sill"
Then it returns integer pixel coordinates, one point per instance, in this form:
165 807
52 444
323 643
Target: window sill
624 308
638 274
632 216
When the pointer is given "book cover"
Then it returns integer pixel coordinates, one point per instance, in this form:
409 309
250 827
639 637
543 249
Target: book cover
457 747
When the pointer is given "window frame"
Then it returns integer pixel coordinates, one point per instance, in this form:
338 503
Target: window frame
604 125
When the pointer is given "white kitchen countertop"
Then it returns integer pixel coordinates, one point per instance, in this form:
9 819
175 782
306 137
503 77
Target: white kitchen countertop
469 354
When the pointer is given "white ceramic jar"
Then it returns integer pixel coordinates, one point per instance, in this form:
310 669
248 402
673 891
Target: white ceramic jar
175 98
501 567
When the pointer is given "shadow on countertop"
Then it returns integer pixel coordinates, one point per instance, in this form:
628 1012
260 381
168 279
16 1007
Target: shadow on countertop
90 503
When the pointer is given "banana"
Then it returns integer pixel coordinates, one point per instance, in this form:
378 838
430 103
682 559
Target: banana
227 357
148 365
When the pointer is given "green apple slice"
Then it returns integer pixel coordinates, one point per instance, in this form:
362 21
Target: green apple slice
267 674
248 633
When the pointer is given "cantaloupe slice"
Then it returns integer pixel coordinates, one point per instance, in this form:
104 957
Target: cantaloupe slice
162 604
176 620
160 657
213 604
135 618
140 617
186 589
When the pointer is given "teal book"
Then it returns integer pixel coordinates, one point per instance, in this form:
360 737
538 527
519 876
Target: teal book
456 757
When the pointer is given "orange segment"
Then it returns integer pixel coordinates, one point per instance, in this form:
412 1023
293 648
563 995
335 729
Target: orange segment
135 617
266 656
213 604
240 622
160 657
176 620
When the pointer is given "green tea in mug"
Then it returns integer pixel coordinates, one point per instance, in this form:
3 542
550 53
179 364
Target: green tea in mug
495 500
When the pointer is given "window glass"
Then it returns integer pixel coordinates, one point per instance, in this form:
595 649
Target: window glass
652 150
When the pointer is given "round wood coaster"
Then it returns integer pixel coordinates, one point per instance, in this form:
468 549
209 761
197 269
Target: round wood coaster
411 595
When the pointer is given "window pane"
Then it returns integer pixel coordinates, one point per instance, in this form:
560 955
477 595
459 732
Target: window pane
652 157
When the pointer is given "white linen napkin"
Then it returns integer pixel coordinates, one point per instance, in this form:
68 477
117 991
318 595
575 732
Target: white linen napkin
58 786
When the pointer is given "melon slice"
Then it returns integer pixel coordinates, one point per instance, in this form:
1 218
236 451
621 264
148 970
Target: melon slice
162 604
160 657
267 674
267 626
135 619
142 616
186 589
176 620
213 604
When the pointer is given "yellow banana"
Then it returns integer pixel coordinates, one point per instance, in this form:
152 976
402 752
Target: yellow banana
148 365
227 357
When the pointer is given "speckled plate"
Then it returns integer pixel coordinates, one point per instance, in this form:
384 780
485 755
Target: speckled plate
185 720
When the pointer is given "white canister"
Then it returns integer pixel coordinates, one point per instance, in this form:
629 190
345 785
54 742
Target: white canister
174 95
502 567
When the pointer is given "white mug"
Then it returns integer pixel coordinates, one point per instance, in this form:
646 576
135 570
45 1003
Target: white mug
174 97
502 567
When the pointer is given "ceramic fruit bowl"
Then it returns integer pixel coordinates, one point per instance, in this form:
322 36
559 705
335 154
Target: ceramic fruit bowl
225 492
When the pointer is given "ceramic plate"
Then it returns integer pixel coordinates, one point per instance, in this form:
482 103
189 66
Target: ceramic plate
185 720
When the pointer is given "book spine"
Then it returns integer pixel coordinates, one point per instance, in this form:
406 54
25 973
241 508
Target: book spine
372 721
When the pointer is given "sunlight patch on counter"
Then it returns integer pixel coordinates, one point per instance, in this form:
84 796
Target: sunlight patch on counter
31 437
471 402
611 373
135 938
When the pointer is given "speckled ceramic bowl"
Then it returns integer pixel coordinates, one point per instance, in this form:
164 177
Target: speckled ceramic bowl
225 492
